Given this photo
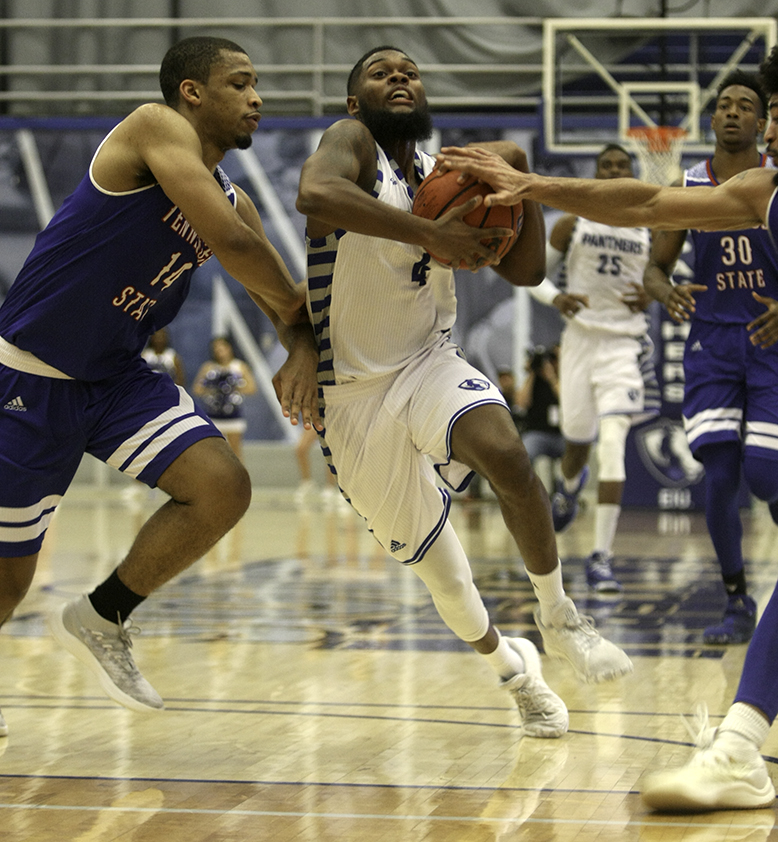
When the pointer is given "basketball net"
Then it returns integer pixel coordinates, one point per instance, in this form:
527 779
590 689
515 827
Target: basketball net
658 149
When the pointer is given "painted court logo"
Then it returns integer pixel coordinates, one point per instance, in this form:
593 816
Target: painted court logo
16 405
475 384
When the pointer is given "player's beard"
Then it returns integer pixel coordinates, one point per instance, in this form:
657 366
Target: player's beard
243 141
389 127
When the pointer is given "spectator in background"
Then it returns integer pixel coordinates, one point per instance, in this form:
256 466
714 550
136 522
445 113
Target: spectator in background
164 359
221 384
538 402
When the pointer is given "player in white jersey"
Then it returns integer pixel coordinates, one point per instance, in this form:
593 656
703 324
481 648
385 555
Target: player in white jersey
396 392
731 394
726 771
605 361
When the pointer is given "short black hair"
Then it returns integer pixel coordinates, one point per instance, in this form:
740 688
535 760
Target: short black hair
191 58
357 68
768 72
610 147
745 80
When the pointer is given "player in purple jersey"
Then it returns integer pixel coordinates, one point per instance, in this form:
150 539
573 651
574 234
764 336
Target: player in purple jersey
731 395
112 267
727 770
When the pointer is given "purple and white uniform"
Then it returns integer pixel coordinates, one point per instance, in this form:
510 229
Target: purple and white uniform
731 386
108 271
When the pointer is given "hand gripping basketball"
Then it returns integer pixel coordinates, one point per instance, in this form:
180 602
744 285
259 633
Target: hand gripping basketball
440 192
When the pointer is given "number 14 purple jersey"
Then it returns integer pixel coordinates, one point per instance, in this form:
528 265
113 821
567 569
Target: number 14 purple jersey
108 270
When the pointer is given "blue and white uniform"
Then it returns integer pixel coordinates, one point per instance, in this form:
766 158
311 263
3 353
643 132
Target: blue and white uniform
392 381
108 271
731 388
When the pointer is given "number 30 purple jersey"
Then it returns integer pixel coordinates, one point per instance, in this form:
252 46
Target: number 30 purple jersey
733 264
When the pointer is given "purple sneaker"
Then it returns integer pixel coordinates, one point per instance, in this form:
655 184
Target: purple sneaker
738 623
564 504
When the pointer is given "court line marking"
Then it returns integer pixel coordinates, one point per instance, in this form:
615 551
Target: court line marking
296 814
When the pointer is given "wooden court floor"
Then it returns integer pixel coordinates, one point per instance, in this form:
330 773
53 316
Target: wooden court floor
312 693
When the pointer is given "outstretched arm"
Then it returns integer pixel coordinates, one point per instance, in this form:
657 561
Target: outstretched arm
295 382
740 202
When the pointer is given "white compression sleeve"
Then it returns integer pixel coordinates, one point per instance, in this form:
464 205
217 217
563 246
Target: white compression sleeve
611 447
446 572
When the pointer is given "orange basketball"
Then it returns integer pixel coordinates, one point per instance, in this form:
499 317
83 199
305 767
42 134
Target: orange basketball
439 192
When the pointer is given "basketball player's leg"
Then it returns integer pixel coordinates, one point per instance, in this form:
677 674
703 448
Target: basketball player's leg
15 579
154 434
619 387
713 411
727 770
446 572
574 459
578 421
36 468
485 439
210 491
16 576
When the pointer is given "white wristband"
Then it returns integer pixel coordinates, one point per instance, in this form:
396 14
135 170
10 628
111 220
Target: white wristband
545 292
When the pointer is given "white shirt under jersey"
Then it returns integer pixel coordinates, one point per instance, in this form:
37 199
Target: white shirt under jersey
602 261
375 303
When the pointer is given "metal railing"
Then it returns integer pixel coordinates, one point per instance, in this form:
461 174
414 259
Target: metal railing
90 87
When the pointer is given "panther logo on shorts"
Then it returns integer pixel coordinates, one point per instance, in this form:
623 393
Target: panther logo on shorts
475 384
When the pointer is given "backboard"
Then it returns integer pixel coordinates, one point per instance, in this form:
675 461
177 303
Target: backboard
603 76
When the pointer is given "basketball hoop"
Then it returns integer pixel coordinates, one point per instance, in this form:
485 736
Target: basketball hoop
658 149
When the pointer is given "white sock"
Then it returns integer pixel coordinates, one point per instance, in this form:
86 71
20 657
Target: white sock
606 519
571 485
749 725
505 660
549 591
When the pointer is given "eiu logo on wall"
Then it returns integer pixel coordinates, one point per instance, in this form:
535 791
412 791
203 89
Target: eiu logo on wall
664 451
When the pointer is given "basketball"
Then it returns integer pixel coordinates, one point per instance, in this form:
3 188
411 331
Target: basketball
439 192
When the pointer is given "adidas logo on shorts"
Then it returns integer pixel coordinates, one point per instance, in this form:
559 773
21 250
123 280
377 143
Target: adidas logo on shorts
16 405
395 546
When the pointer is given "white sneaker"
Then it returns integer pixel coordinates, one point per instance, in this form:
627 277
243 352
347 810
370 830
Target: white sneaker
104 647
3 726
573 637
711 780
543 713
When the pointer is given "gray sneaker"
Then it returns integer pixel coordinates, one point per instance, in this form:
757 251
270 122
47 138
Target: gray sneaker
543 713
573 637
104 648
3 726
